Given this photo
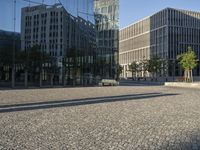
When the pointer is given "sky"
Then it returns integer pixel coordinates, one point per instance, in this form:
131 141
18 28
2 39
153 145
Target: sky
134 10
130 10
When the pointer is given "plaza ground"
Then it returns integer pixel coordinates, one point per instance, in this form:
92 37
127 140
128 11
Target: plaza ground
130 116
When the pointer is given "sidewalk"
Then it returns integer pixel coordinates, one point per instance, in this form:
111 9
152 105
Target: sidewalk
183 84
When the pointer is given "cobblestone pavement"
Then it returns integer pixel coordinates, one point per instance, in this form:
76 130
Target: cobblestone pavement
97 118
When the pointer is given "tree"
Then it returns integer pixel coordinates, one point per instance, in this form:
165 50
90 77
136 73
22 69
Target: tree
5 62
119 70
154 66
188 62
144 67
64 68
53 69
72 63
133 67
33 61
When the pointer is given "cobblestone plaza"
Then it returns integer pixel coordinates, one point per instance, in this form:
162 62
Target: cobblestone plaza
124 117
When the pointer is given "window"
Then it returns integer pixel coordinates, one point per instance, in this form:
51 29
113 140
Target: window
109 9
104 10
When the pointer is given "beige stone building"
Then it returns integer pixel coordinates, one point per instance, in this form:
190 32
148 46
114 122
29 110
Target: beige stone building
165 34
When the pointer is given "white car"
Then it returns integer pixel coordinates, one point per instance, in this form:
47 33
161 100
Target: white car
108 82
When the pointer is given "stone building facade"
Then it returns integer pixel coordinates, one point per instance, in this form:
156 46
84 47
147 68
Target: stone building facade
165 34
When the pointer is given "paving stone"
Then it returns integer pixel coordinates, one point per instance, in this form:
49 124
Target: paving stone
123 117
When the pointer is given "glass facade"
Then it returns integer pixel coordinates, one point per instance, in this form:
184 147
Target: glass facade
104 15
79 38
107 26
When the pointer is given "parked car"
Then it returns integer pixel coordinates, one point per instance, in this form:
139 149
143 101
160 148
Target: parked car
108 82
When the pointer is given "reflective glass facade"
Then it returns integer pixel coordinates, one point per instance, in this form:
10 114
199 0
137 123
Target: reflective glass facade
107 26
79 38
104 14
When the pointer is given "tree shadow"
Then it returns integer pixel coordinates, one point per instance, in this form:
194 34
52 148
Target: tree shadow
79 102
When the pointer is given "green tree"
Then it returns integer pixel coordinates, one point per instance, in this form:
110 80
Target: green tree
154 66
5 63
34 62
72 63
144 67
134 68
119 70
188 62
53 68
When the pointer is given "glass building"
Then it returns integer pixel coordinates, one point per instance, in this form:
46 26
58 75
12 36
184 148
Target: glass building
104 14
107 26
81 37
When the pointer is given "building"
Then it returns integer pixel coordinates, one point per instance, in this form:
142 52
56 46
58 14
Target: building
165 34
107 25
9 41
84 42
62 36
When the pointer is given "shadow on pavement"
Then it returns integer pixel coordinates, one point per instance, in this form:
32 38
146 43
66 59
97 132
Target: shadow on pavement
77 102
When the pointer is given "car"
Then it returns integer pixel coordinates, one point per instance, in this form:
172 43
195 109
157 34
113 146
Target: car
108 82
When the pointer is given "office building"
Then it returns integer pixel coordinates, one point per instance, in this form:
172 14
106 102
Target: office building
165 34
60 34
9 42
89 32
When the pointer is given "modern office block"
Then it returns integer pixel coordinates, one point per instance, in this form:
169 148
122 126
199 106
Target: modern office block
89 32
165 34
60 34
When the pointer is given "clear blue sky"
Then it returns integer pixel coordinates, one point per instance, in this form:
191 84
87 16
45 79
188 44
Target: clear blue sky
133 10
130 10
